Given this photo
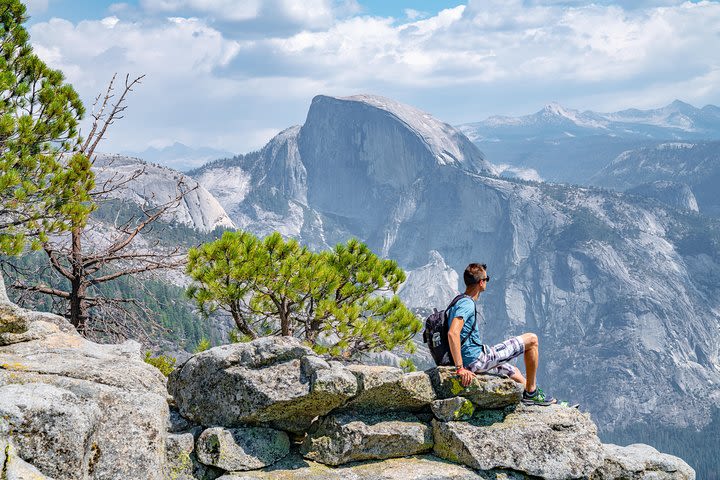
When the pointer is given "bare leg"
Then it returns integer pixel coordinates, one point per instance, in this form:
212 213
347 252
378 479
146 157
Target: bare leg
518 377
531 359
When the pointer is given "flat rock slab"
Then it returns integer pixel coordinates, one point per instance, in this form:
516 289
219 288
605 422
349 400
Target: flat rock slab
425 467
641 462
274 381
485 391
382 389
550 442
346 437
240 449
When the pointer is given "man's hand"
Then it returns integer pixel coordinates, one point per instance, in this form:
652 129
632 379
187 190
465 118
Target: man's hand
465 375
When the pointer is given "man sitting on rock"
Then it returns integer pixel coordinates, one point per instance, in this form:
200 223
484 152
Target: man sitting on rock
471 356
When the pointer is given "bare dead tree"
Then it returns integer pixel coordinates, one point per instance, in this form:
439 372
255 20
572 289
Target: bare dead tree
86 258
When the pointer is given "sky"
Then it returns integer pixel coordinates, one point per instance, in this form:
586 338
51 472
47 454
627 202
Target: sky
230 74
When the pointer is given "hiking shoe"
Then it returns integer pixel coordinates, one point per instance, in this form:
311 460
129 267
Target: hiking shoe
565 403
537 398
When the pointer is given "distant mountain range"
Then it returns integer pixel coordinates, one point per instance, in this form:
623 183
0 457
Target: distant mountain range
180 157
570 146
676 120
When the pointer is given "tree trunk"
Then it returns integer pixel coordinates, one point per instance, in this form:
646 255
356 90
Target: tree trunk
78 306
240 323
78 288
313 330
285 319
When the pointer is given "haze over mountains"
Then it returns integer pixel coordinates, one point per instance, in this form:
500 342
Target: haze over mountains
693 166
179 156
571 146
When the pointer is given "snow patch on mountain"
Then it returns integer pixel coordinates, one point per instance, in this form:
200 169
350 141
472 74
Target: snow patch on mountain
674 145
511 171
553 110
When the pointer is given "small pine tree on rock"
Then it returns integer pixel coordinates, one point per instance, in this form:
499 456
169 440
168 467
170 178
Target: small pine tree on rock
341 302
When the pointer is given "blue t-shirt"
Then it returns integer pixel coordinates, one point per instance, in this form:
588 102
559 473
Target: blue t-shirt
472 348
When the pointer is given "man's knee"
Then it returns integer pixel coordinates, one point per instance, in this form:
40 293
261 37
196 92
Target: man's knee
530 340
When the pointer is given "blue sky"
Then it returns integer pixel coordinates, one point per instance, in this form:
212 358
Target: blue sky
230 74
76 10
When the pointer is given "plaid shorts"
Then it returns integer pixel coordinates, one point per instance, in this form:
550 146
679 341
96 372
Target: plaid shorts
494 359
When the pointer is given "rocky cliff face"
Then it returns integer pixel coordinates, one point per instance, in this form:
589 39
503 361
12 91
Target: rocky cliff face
619 290
696 165
673 194
158 185
355 163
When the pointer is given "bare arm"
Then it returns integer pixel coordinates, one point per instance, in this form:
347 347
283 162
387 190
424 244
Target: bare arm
454 340
456 326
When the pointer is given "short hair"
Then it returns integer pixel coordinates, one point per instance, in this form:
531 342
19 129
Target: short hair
473 273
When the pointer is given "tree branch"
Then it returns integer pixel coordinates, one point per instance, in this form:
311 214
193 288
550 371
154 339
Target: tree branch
56 263
40 288
117 109
132 271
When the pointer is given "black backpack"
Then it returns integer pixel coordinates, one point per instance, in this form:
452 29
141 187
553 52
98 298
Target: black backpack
436 333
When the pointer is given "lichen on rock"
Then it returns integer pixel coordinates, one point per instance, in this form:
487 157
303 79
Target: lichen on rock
453 409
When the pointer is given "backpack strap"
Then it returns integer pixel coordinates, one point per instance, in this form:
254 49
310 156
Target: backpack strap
447 315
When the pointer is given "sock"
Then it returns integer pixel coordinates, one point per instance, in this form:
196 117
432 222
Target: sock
531 394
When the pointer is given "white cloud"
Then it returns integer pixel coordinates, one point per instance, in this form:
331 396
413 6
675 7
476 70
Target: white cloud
208 85
508 41
305 14
229 9
413 14
175 48
109 22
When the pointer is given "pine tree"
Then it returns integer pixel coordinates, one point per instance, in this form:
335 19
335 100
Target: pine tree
44 180
341 301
